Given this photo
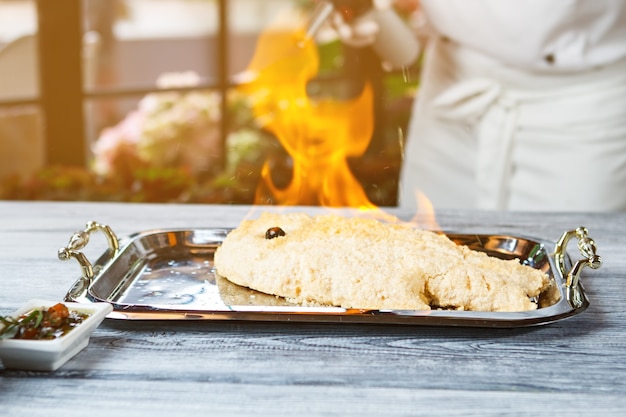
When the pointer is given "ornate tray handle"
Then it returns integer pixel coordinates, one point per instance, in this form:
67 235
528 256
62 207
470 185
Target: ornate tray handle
77 242
587 248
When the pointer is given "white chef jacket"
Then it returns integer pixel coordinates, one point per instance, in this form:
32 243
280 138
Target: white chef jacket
567 35
522 106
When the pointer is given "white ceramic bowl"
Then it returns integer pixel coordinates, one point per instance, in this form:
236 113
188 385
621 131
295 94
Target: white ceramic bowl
49 355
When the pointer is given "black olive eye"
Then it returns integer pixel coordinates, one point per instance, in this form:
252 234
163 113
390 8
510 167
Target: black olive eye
273 232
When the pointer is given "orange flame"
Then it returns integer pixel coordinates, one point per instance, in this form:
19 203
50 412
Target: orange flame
318 134
425 216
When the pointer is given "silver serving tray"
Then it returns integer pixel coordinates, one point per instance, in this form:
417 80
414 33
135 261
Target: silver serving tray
169 275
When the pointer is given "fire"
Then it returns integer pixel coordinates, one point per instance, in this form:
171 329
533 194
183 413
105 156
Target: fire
425 216
319 135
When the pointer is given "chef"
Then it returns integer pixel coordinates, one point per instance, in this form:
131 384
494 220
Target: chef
521 105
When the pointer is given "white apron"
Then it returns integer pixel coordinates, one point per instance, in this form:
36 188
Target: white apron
487 136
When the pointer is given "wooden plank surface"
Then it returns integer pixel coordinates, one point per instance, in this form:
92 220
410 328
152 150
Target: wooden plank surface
574 367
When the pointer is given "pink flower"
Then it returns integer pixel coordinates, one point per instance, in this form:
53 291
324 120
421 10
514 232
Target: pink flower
117 140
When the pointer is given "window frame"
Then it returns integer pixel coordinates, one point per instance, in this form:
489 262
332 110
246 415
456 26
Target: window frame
62 96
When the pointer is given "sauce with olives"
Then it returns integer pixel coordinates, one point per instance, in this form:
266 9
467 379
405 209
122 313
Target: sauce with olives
42 323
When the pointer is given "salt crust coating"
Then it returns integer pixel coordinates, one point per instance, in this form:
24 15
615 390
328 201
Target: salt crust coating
366 264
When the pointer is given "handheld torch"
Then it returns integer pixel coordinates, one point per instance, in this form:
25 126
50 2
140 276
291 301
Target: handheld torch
394 42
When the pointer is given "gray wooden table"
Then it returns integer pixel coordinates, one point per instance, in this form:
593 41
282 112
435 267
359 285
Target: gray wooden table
572 367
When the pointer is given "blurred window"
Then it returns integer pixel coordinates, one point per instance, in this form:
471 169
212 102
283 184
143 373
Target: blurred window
139 101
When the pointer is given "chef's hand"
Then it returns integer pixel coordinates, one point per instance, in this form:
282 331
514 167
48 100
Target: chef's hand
406 6
358 32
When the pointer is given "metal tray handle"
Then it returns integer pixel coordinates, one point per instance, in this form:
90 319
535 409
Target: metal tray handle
77 242
587 248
